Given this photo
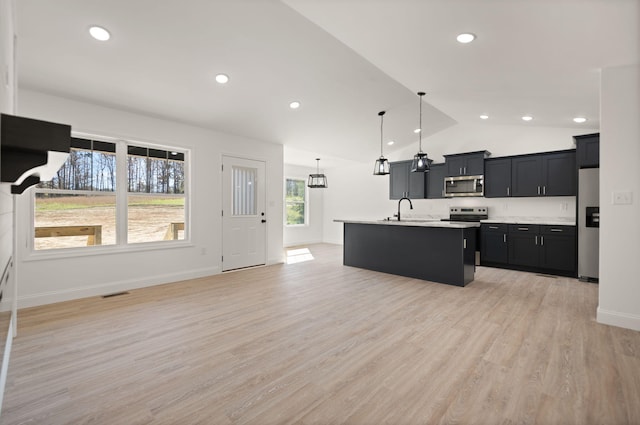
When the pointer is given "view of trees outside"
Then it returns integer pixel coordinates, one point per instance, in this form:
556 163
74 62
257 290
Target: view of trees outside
295 201
83 194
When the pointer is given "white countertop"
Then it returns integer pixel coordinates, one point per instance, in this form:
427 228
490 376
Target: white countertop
551 221
415 223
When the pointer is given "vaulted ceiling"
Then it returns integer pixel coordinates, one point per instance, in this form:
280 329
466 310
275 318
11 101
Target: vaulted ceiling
344 60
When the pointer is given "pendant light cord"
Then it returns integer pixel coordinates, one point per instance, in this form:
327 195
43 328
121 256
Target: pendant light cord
420 94
381 113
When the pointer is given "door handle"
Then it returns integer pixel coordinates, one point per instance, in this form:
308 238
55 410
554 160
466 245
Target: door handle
263 220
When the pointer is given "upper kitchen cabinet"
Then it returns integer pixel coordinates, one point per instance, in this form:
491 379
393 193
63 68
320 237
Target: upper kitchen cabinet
497 177
547 174
588 150
466 164
435 181
404 183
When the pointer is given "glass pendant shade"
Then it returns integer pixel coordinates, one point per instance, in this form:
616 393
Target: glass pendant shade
317 181
420 162
381 167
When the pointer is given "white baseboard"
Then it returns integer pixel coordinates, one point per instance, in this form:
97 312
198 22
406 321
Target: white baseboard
43 298
4 370
298 243
621 320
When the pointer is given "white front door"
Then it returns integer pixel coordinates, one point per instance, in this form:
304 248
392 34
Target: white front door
244 228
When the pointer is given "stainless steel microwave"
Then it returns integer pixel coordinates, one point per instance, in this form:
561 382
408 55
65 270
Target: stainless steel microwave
463 186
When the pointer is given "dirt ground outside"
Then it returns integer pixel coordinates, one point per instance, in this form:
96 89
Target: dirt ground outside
148 219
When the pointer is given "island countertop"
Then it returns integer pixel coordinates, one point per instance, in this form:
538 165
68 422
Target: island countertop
415 223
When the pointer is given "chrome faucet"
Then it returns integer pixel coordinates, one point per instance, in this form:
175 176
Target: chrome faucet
399 201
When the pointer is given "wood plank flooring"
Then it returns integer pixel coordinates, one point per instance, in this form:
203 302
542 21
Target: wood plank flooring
319 343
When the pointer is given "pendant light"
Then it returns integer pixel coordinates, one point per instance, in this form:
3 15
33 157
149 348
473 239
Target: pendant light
381 166
317 180
420 162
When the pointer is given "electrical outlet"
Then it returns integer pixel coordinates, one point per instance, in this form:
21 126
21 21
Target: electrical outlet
622 198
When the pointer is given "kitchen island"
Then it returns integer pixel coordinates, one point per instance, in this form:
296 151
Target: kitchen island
437 251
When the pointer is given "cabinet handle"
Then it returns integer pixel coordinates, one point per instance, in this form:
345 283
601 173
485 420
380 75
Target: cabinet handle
523 228
504 238
541 240
556 230
508 191
464 243
493 227
461 170
544 190
465 170
536 240
538 190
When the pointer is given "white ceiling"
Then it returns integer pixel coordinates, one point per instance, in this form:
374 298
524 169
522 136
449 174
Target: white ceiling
345 60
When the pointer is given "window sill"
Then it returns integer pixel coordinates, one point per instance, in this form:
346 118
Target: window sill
296 225
64 253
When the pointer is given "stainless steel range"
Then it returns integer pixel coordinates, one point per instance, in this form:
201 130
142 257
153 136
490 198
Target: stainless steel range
467 214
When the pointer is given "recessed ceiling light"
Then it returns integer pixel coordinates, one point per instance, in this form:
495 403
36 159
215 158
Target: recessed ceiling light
579 120
390 142
484 117
294 105
222 78
417 130
99 33
466 37
527 118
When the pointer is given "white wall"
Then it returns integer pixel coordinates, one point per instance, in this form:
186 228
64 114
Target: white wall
354 193
312 232
52 280
7 104
619 302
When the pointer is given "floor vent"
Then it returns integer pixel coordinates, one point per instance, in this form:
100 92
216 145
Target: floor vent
115 294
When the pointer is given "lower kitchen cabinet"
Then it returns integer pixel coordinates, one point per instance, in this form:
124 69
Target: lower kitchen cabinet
523 245
558 248
529 247
494 248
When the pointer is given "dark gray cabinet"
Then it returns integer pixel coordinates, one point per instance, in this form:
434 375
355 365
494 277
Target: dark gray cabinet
530 247
497 177
493 245
404 183
588 150
546 174
523 245
466 164
435 181
558 247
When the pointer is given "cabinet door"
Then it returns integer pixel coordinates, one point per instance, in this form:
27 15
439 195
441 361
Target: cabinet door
588 150
558 252
558 247
455 166
559 174
399 179
417 180
493 247
474 165
435 181
526 176
497 178
523 241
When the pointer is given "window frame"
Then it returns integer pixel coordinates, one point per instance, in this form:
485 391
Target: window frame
306 202
121 193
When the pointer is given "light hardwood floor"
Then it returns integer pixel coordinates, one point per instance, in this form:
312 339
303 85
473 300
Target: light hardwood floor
320 343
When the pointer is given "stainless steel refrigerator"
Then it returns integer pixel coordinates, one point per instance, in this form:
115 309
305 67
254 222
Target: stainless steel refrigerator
588 223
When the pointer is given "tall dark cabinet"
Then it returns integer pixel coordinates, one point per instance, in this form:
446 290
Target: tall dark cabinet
404 183
588 150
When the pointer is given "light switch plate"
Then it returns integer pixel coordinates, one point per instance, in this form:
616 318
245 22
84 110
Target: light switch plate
622 198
